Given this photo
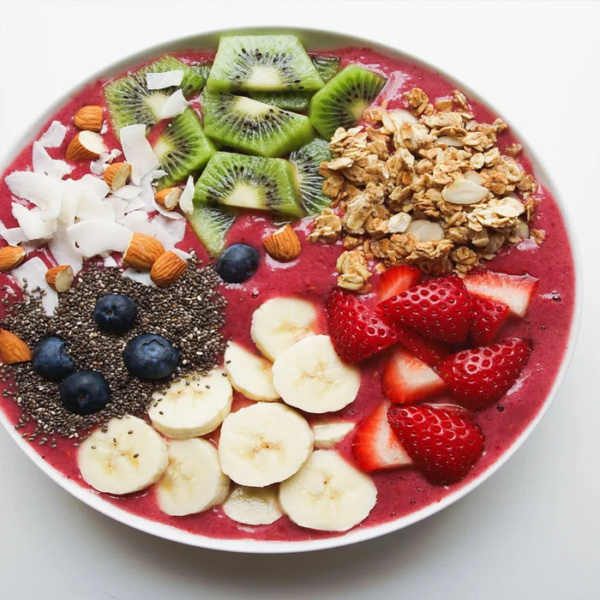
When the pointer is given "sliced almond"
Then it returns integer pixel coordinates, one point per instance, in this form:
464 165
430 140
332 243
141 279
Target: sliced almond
399 222
464 191
86 145
116 175
13 349
426 231
168 198
474 176
142 252
89 118
449 140
283 245
167 269
60 278
11 257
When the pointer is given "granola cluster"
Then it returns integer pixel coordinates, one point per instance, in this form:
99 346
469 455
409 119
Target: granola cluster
427 187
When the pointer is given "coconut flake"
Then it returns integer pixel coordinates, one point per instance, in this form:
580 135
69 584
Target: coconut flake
141 277
109 261
186 203
138 222
136 204
54 136
160 81
44 192
44 164
138 151
13 236
168 232
93 238
63 250
118 206
174 106
32 224
98 166
127 192
97 186
34 272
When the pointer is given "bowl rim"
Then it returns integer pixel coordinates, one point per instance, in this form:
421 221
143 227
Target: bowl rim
314 39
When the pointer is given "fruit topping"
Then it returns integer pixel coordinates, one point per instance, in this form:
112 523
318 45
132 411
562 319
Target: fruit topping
11 257
407 379
253 506
375 445
238 263
143 251
427 350
150 357
327 66
13 349
283 245
343 100
60 278
115 313
167 269
331 433
89 118
481 376
85 392
51 360
86 145
211 226
307 162
295 101
487 319
262 62
443 446
396 280
357 332
116 175
439 309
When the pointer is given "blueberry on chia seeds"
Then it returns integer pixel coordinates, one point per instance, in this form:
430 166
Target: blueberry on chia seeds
150 356
238 263
115 313
85 392
51 360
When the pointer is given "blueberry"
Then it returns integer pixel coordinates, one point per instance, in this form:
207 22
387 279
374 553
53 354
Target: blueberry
238 263
115 313
50 359
150 356
85 392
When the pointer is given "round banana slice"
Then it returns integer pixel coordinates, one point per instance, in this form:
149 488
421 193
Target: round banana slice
192 407
253 506
249 374
328 435
264 444
328 494
310 376
128 457
193 481
280 322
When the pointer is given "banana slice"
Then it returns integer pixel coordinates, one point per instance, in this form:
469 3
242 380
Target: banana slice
193 481
192 407
128 457
280 322
330 434
264 444
328 494
253 506
249 374
310 376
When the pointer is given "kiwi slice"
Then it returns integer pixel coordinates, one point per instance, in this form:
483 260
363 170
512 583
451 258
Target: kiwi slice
254 127
327 66
182 148
269 63
294 101
203 69
307 161
343 100
211 226
249 182
130 101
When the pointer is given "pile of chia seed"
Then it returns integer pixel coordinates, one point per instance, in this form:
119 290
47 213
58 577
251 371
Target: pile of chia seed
189 314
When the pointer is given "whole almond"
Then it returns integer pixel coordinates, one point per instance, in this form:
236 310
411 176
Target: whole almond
86 145
89 118
167 269
11 257
116 175
60 278
13 349
142 252
283 245
168 198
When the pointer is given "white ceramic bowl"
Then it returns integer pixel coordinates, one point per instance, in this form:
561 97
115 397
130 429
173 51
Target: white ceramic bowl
313 40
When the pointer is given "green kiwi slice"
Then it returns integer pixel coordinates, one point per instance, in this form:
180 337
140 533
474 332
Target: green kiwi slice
203 69
254 127
211 226
249 182
343 100
270 63
182 148
307 161
294 101
130 101
327 66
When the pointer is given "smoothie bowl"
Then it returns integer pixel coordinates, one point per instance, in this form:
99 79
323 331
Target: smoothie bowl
278 291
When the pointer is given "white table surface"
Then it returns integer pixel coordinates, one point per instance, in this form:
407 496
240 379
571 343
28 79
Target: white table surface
532 532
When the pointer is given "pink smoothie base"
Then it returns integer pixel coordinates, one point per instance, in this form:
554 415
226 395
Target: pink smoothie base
401 492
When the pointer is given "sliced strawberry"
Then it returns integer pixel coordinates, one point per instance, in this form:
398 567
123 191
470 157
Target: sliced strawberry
396 280
439 309
408 379
515 291
450 408
480 376
357 332
375 446
443 446
487 319
429 351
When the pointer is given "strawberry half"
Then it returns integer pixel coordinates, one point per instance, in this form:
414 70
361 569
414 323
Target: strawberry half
487 319
356 331
439 309
407 379
443 446
516 291
480 376
375 446
396 280
429 351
